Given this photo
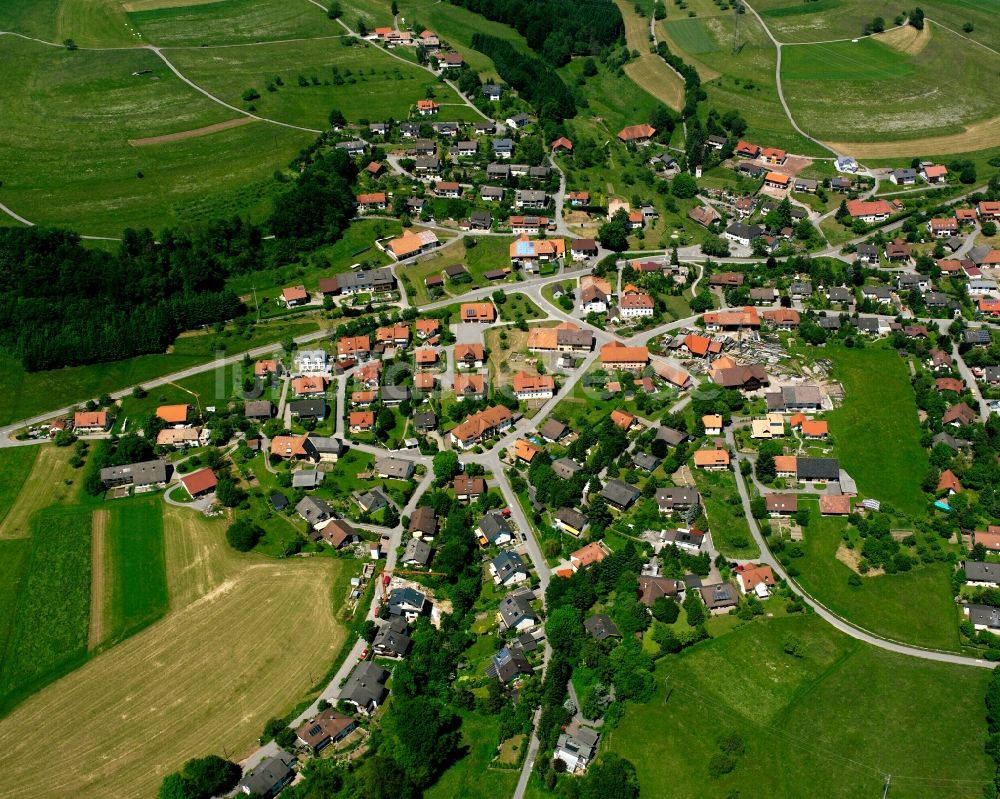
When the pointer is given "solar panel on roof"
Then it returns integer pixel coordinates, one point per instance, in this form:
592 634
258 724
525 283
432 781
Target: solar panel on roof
525 248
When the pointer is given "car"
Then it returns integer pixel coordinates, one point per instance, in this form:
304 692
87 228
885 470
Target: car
505 513
364 654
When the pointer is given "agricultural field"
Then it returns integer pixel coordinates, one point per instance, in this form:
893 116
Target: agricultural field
728 525
182 22
914 606
822 20
15 464
149 703
97 181
90 23
362 80
649 71
921 721
878 396
829 87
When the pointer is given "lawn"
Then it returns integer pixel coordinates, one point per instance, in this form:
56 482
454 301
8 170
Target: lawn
489 252
471 776
374 85
15 465
876 429
135 567
234 21
829 88
519 306
96 181
730 532
921 721
914 606
33 393
48 634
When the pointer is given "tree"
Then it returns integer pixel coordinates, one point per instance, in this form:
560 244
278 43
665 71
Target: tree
422 736
611 777
614 233
693 609
446 466
589 67
394 8
684 186
917 18
334 11
201 778
715 245
227 492
384 421
243 534
666 610
337 118
766 468
701 302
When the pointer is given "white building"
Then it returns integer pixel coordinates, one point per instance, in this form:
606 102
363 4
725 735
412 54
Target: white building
312 361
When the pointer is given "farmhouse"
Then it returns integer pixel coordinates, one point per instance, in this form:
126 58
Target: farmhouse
478 312
869 210
636 134
410 244
533 387
616 355
144 476
91 421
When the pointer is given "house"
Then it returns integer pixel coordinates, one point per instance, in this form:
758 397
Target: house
647 463
732 319
365 687
959 415
395 395
552 430
701 346
712 460
199 483
582 249
676 498
353 148
407 602
469 387
869 210
423 522
622 419
410 244
948 483
653 588
636 134
448 188
389 468
834 504
425 356
530 198
429 39
809 470
144 476
508 664
593 300
529 225
508 568
361 421
503 148
795 398
313 511
898 251
977 337
178 438
712 424
416 553
704 215
805 185
361 281
979 574
600 626
451 61
468 489
92 421
842 185
716 142
988 210
781 504
493 529
594 552
492 92
769 427
749 377
309 386
469 356
491 194
480 220
812 429
777 180
478 312
308 409
268 777
566 468
990 538
943 227
620 495
743 234
498 171
718 598
392 639
328 448
576 749
530 253
939 360
525 451
533 387
984 618
867 253
258 409
615 355
518 121
427 328
372 501
782 318
636 305
756 578
773 155
293 448
845 163
327 727
903 177
745 149
571 521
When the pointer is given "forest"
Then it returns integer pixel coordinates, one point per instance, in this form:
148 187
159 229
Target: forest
64 304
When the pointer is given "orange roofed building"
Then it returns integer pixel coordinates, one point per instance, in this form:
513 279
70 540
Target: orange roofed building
173 414
732 320
594 552
616 355
482 312
481 426
636 134
293 448
360 421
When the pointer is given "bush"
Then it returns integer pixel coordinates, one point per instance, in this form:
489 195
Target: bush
720 765
244 534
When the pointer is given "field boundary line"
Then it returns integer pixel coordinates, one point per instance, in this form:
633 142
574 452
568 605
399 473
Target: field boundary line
98 573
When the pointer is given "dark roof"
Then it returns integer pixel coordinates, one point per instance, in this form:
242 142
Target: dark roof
507 664
406 600
258 409
720 595
644 461
417 551
979 572
572 517
553 430
392 639
676 496
313 510
515 608
818 468
279 501
671 436
425 420
308 408
600 626
365 685
493 525
620 493
423 521
267 778
140 474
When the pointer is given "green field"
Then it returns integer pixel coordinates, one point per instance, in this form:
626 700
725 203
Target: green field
94 180
48 634
730 531
876 429
234 21
692 36
376 86
137 567
921 721
471 777
613 101
914 606
90 23
15 465
829 88
796 21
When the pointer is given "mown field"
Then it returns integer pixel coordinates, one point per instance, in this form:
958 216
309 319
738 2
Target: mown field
728 525
830 86
374 85
90 23
914 606
471 775
876 428
71 124
922 722
795 21
649 71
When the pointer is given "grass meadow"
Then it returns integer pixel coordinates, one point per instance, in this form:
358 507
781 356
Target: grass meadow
135 571
914 606
730 531
15 465
376 85
921 721
471 775
794 21
48 631
876 428
90 23
830 86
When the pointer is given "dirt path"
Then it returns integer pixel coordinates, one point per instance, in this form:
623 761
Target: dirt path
194 133
98 578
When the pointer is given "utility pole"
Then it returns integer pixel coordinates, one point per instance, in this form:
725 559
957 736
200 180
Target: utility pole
888 780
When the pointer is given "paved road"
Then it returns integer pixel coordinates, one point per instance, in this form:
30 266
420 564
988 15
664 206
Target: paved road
970 381
843 626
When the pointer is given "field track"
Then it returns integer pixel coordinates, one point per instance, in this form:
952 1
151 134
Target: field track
978 136
192 134
47 482
649 71
158 5
98 578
